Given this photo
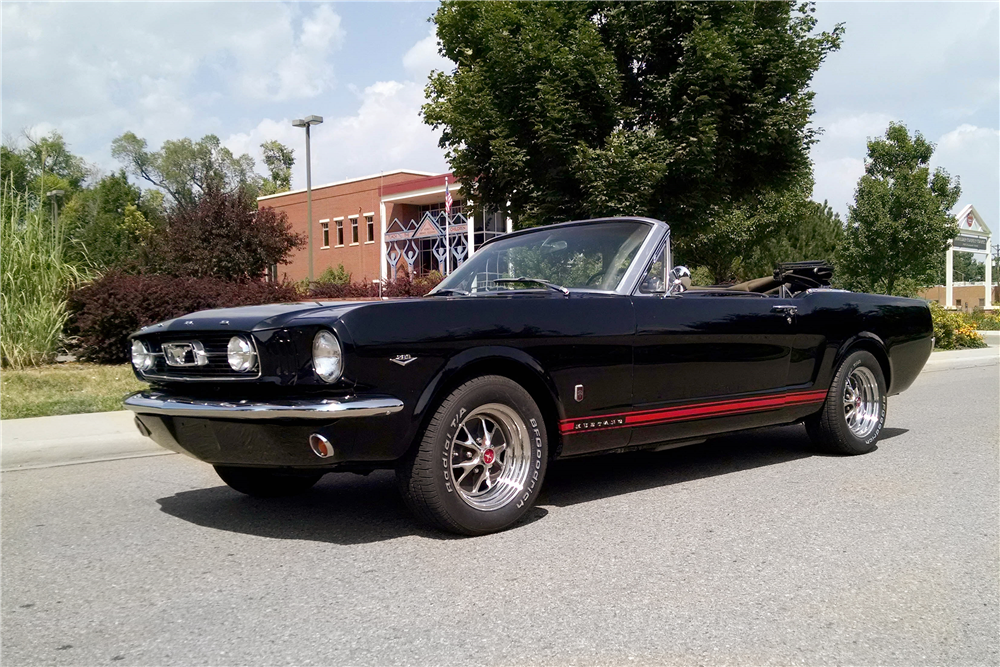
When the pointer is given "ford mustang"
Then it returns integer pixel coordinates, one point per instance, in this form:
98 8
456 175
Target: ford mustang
548 343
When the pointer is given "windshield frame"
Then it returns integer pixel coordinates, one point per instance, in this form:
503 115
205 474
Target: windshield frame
656 233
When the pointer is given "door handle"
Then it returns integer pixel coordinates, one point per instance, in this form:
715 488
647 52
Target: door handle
787 311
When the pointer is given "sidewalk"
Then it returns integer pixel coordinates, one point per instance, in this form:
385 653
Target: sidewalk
39 442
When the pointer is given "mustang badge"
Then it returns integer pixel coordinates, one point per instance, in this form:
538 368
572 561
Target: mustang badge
402 359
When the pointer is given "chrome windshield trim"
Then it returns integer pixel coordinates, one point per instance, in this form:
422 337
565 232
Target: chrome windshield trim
158 403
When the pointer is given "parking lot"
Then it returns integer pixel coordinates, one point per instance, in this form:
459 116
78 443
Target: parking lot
752 549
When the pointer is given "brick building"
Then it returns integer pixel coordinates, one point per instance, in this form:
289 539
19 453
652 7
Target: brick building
382 225
965 296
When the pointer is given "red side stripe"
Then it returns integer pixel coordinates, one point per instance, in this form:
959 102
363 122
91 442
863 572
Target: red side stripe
708 409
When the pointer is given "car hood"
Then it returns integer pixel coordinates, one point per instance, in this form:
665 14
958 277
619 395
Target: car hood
257 318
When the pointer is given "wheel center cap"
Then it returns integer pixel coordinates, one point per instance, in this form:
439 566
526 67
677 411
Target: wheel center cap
857 402
488 456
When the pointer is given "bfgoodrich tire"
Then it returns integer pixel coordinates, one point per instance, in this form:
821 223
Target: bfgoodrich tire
854 411
480 463
267 482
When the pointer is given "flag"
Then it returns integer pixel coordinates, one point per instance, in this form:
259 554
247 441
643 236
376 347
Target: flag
447 197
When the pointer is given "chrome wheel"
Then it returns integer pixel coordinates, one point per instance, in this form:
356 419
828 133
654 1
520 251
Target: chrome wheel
490 457
862 402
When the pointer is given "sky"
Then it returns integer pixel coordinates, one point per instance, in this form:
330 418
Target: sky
242 71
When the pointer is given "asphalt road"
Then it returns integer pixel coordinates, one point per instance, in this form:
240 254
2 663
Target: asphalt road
746 550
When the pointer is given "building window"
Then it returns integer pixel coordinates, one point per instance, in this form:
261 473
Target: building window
457 207
325 226
354 230
370 225
340 232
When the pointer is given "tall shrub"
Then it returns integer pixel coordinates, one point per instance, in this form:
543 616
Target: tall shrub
223 235
107 310
34 283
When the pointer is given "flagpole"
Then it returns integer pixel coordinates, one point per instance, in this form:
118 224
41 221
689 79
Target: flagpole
447 226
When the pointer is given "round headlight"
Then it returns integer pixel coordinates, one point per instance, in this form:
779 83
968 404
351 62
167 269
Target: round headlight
141 358
328 359
242 356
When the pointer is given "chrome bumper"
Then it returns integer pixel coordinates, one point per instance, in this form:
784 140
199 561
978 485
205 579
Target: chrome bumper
157 403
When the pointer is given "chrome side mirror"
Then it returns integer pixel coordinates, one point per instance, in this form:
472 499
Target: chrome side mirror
678 280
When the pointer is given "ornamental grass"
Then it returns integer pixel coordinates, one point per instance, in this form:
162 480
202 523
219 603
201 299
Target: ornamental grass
34 281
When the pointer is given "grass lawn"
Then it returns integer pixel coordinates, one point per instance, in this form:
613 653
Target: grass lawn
65 389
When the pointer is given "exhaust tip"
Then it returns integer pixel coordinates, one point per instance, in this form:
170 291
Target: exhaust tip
143 429
321 446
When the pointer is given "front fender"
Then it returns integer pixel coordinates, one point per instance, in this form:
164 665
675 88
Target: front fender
476 356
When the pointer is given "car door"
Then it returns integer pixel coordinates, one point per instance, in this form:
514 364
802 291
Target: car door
707 362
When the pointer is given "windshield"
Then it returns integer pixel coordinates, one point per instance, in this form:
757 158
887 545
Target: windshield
591 256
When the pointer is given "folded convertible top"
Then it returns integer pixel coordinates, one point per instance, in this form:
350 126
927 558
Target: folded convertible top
804 275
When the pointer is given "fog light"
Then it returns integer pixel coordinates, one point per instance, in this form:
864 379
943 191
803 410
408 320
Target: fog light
141 357
321 446
242 356
328 360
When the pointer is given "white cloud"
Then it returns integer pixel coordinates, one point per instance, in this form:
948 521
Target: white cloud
157 68
385 133
301 65
973 154
836 180
854 127
423 57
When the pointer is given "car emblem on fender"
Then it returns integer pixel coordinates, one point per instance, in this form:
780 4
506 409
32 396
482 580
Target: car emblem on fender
402 359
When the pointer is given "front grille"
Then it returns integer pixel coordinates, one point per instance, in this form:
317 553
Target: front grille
216 348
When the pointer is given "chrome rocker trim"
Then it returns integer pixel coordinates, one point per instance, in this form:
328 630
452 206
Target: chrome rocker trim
158 403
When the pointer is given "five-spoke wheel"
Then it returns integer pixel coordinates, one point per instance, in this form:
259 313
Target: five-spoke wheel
854 412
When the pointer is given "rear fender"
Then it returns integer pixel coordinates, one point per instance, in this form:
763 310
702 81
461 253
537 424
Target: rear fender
872 343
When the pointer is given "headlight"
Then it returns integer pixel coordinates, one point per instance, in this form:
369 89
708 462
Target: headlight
328 359
141 357
242 356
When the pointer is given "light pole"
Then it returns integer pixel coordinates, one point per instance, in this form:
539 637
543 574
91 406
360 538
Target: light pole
306 123
52 194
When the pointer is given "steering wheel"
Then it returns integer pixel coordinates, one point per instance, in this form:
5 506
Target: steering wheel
591 281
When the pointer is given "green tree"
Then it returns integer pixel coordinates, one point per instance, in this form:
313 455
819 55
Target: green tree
685 111
965 267
185 169
35 166
278 159
900 222
814 233
110 224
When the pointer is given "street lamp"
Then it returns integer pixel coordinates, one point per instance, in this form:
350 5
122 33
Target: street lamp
52 194
306 123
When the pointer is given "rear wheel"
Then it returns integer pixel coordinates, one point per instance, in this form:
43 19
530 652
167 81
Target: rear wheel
854 412
267 482
480 463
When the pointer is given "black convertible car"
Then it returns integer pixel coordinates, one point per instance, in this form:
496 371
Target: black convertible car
548 343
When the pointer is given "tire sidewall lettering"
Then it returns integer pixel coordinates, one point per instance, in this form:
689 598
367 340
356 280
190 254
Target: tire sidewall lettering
883 404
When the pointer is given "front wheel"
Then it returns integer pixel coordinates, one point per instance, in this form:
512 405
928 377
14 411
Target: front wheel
854 412
480 463
267 482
